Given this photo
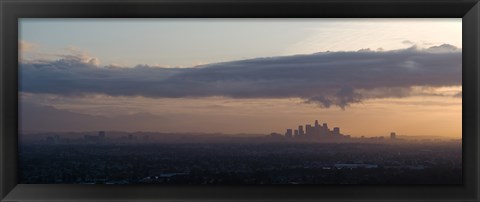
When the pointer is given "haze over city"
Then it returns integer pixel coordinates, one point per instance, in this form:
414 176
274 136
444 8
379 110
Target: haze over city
367 76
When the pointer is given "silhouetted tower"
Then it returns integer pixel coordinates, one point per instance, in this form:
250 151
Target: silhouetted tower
316 123
308 129
295 133
393 135
289 133
336 131
300 130
325 130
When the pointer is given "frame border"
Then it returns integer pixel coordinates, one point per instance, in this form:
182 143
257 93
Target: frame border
12 10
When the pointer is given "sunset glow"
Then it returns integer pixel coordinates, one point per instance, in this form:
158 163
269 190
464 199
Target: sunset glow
368 77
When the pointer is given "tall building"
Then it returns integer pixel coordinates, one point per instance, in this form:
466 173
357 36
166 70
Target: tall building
336 131
300 130
289 133
393 135
308 129
295 133
324 130
316 124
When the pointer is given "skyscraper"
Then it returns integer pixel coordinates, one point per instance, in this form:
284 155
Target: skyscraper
308 129
325 130
336 131
288 133
300 130
393 135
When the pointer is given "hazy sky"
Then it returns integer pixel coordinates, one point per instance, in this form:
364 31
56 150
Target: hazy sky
367 76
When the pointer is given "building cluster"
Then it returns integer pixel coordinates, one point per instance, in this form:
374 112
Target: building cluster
318 131
310 131
315 131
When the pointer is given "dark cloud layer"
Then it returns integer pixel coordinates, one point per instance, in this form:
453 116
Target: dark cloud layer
327 78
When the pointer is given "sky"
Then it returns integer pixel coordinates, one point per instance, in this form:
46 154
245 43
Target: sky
369 77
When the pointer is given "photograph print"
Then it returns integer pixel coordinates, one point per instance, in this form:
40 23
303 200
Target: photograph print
211 101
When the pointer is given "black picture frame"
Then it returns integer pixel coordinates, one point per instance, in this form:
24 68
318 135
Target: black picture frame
12 10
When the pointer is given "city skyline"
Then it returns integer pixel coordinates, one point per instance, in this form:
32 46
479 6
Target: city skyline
404 82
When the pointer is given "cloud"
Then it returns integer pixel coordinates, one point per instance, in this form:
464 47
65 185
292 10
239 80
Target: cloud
79 55
408 42
443 48
25 46
342 98
326 78
73 54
